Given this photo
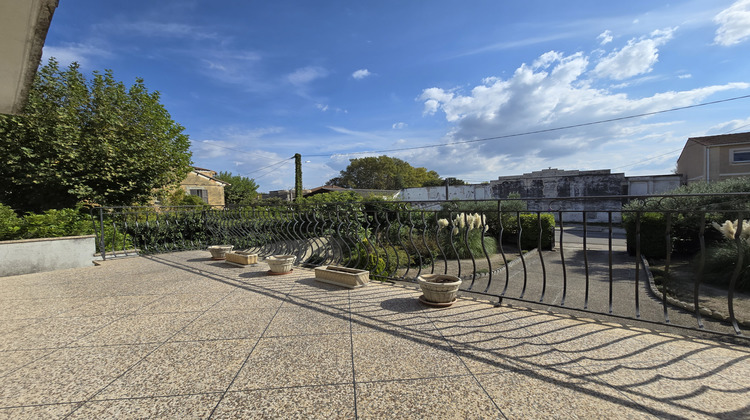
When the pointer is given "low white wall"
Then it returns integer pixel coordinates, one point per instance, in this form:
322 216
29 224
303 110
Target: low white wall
48 254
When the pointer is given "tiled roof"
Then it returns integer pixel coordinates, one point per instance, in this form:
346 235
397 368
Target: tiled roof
722 139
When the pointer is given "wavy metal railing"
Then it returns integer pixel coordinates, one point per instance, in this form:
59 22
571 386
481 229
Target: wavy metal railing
554 256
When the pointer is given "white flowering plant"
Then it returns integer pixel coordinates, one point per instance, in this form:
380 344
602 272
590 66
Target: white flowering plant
722 257
454 234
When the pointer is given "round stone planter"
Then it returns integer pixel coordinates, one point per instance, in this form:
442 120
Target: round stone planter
281 264
440 289
219 252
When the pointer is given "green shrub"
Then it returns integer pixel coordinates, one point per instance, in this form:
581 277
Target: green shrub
688 210
721 260
10 223
56 223
653 234
529 229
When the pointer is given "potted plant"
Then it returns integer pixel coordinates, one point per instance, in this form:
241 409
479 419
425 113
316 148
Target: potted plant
281 264
219 252
438 289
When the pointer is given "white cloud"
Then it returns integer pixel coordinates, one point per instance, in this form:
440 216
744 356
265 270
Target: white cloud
78 52
305 75
734 24
638 57
733 126
322 107
537 99
161 29
236 67
605 37
685 76
361 74
400 125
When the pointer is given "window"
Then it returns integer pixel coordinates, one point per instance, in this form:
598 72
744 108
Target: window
203 194
741 156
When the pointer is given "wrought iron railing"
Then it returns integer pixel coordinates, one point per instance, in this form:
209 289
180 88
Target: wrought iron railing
572 253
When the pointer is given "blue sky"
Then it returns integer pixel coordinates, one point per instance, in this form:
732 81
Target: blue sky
253 83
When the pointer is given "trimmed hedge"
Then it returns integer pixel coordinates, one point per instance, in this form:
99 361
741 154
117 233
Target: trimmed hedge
653 234
529 229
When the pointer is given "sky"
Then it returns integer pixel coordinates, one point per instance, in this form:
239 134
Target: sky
472 89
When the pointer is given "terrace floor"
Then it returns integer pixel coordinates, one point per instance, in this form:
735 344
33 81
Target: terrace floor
182 336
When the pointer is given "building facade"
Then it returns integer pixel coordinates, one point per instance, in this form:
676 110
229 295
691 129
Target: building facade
714 158
204 184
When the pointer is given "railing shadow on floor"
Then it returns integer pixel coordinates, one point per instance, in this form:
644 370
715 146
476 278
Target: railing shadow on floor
603 360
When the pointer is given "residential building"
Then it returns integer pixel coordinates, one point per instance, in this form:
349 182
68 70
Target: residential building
714 158
203 183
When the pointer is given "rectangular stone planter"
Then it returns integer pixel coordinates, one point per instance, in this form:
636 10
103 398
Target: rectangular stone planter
242 258
342 276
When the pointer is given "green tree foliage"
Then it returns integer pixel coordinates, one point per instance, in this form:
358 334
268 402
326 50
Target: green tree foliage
178 197
243 191
383 173
10 223
88 140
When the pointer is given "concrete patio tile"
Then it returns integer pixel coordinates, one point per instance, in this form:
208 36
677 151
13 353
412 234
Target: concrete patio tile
16 359
53 332
258 279
139 328
51 411
176 368
113 305
177 407
395 314
10 325
212 325
199 285
546 393
247 299
297 361
458 397
468 312
679 388
311 402
292 319
385 356
308 291
183 302
592 343
486 351
68 375
39 308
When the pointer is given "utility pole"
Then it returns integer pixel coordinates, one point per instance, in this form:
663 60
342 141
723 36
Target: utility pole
297 177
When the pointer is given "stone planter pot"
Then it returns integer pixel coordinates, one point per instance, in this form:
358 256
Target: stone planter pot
281 264
342 276
242 258
439 289
219 252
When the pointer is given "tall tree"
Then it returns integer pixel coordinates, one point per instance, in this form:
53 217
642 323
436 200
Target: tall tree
88 140
383 173
241 191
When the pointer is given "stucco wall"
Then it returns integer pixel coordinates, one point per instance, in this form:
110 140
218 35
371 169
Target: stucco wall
49 254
